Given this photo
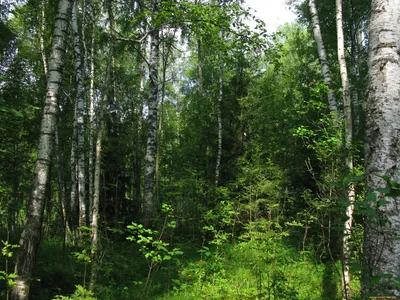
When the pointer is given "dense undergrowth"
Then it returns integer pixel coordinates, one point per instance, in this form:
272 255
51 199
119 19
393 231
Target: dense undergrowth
264 265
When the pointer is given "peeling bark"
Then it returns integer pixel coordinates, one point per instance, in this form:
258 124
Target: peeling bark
382 148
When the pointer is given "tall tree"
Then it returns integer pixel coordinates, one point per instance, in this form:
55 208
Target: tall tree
382 146
97 167
31 234
149 205
348 131
79 123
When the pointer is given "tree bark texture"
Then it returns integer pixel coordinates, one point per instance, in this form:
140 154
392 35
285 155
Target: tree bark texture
382 148
80 126
149 203
326 73
348 130
31 234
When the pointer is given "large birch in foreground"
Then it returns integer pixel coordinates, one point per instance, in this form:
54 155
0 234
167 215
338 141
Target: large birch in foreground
382 148
31 234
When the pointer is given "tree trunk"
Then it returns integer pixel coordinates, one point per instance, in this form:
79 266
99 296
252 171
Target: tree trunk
355 74
41 38
31 234
61 187
149 204
73 165
80 126
322 56
91 128
382 148
348 130
139 119
97 171
219 117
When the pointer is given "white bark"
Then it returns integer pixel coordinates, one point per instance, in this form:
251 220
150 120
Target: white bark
348 129
91 128
31 234
322 56
80 126
382 238
149 205
41 38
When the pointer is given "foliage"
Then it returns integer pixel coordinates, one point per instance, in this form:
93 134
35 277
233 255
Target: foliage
80 294
7 253
270 229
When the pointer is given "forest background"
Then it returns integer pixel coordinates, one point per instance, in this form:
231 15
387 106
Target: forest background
184 154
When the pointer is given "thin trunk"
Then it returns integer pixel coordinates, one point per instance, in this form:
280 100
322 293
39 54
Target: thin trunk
382 148
149 204
200 66
74 188
31 234
96 203
80 126
41 38
355 76
322 56
348 129
138 156
91 128
165 53
219 116
96 197
61 187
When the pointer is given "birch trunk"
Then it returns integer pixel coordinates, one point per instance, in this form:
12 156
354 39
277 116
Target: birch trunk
382 237
348 129
80 128
96 197
149 203
326 73
41 38
91 128
31 234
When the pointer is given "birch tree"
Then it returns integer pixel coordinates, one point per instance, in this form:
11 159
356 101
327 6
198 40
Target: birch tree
382 147
31 234
348 129
149 205
326 73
